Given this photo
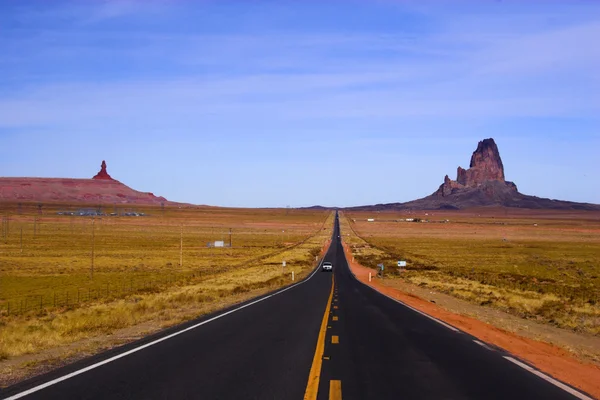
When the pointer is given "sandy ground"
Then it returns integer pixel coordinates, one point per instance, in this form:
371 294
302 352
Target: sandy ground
547 357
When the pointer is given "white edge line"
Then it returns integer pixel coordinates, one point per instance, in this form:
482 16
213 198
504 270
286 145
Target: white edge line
485 346
400 302
547 378
420 312
189 328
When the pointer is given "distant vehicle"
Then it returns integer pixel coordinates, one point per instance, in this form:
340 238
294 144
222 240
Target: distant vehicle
327 266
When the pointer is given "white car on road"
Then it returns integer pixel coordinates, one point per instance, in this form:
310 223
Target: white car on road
327 266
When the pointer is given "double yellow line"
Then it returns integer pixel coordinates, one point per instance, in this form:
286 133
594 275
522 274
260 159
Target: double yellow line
312 388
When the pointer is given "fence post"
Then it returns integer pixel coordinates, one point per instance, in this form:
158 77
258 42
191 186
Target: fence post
181 246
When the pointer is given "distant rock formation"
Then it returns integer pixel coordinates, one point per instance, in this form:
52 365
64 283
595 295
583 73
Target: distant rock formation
486 165
103 174
482 185
101 189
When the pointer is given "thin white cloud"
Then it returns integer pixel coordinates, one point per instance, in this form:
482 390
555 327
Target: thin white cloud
456 73
108 9
567 49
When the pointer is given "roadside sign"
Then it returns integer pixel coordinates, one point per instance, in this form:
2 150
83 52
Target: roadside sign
380 266
402 264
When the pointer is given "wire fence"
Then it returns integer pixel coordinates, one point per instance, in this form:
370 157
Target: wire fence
77 296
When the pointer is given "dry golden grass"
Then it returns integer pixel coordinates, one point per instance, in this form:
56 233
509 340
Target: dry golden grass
139 260
544 266
50 263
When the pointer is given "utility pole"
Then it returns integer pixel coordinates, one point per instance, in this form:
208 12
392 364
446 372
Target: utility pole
230 243
5 228
93 246
181 248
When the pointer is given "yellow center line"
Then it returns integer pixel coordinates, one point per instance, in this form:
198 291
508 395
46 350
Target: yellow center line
312 388
335 390
335 318
335 339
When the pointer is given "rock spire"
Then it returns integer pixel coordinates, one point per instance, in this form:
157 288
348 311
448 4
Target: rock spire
486 165
103 174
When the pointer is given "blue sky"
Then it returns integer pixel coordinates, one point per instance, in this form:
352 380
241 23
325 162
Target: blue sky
279 103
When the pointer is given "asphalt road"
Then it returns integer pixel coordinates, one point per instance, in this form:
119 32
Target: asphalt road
265 350
386 350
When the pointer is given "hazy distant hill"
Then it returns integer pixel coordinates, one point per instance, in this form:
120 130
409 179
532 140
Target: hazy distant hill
102 189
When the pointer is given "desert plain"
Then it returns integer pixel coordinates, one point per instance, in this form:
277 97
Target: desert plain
73 285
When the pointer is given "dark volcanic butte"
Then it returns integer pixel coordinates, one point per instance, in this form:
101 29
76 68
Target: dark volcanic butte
101 189
486 166
482 185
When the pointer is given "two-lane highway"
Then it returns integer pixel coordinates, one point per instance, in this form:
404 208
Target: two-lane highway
313 340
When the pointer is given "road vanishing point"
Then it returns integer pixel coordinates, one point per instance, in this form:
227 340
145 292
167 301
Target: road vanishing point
326 337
